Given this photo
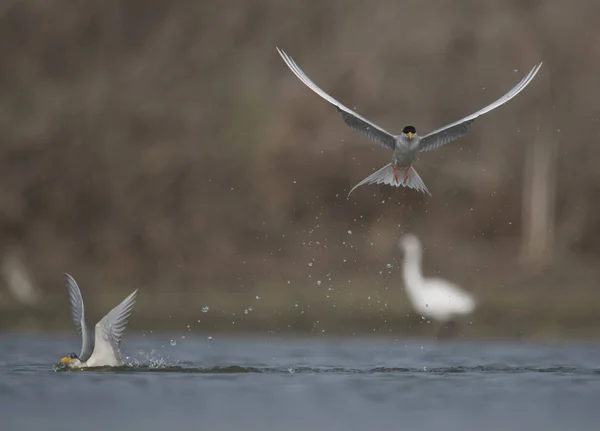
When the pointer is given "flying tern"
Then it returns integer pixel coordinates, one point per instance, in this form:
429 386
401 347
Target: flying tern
406 145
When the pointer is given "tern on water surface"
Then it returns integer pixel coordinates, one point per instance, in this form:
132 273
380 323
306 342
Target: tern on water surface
406 145
103 347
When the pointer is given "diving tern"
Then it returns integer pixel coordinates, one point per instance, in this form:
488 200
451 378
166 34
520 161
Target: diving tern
103 348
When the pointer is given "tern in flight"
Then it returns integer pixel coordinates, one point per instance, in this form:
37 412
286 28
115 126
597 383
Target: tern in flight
406 145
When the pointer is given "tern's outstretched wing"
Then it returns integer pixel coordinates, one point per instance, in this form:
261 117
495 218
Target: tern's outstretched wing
459 128
78 316
351 118
109 331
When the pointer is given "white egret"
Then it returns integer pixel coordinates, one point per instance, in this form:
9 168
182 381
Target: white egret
432 298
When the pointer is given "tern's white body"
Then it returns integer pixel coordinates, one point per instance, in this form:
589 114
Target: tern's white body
103 348
432 298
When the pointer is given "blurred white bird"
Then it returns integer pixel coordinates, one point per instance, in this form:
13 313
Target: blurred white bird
103 348
19 280
432 298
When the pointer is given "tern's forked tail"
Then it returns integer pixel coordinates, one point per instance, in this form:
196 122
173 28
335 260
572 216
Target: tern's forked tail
385 175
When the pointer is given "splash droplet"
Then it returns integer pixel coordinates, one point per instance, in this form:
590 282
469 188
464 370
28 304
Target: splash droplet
205 309
173 343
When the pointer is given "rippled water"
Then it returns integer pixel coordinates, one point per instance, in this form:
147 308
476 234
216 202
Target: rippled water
287 383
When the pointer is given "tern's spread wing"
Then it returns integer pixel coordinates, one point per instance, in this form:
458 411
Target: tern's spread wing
351 118
109 330
459 128
385 175
78 316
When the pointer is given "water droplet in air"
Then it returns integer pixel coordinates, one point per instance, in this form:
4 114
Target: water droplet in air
173 343
309 263
257 297
205 309
389 265
318 282
209 338
350 232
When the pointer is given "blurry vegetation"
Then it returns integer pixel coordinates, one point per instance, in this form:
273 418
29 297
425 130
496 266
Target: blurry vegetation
166 146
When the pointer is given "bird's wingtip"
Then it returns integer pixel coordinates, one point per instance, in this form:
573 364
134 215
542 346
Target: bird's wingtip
350 192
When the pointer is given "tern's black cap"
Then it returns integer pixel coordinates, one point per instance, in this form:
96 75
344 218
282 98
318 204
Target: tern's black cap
409 129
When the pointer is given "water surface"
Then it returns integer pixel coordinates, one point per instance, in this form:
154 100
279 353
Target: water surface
291 383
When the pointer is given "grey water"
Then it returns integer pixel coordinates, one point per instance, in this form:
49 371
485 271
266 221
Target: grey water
277 382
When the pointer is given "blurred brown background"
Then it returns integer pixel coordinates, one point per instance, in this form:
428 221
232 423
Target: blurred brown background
166 146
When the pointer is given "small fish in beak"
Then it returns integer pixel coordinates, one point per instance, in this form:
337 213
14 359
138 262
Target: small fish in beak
69 358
